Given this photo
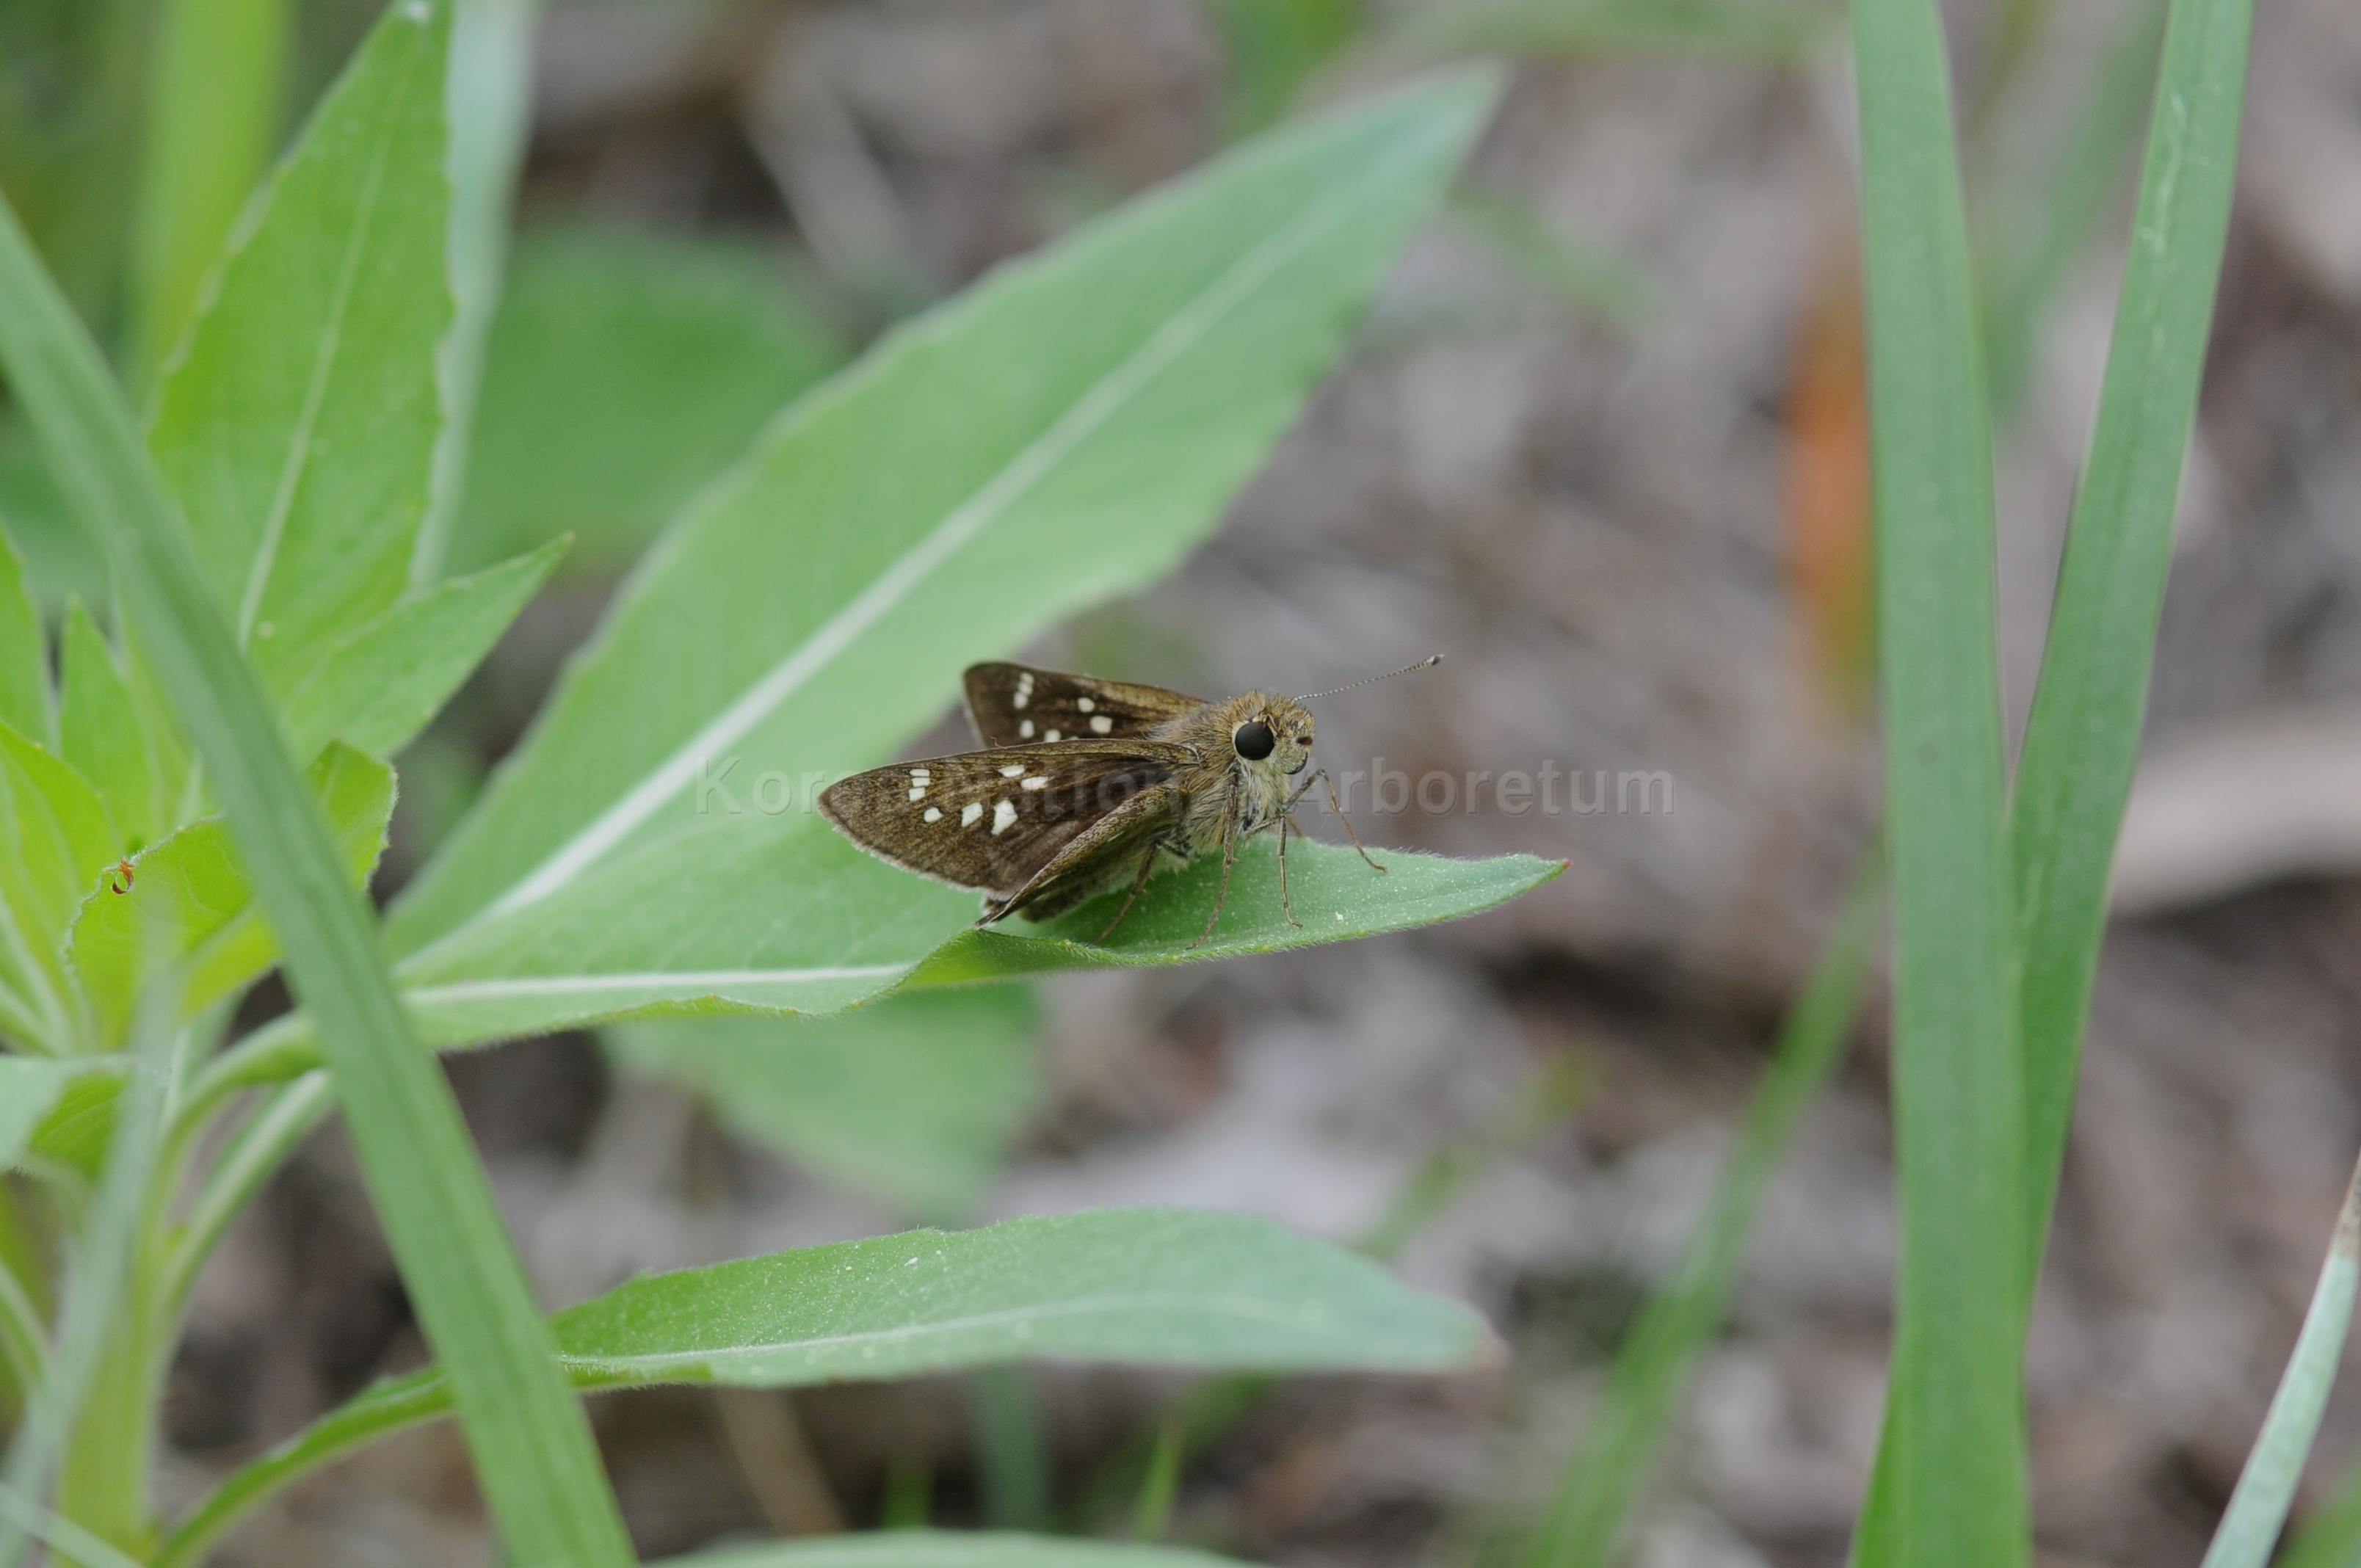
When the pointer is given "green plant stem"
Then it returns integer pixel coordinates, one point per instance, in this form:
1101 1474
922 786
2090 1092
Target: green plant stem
2259 1506
530 1441
1608 1473
275 1131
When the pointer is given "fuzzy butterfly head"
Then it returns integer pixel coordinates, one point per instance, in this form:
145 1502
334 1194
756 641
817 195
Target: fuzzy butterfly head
1271 735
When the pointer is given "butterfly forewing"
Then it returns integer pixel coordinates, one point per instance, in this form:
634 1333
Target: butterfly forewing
1014 705
993 820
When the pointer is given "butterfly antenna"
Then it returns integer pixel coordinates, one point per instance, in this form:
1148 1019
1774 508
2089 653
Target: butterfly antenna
1426 663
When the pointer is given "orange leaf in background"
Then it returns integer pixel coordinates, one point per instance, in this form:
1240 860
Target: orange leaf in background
1829 490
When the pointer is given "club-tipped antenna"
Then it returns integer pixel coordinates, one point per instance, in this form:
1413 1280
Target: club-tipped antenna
1426 663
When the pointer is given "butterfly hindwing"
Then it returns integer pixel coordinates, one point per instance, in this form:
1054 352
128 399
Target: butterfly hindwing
993 820
1104 855
1015 704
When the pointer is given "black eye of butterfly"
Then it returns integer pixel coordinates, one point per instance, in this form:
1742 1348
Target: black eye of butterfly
1253 740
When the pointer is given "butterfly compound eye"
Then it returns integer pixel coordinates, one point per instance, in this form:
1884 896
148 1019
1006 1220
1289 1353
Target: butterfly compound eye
1253 740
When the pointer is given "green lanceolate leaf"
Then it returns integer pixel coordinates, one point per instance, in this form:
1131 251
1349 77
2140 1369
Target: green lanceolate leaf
380 684
532 1447
189 908
56 841
23 655
947 1548
815 926
297 425
911 1101
1157 1287
1061 433
1950 1485
625 370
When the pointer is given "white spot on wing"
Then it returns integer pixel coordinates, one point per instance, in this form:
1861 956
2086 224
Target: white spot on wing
1003 816
1101 724
934 813
1023 690
1086 705
1011 770
1039 780
1053 735
970 812
918 792
1025 730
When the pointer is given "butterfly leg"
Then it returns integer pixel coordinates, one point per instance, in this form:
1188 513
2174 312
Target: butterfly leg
1285 908
1147 864
1221 894
1337 806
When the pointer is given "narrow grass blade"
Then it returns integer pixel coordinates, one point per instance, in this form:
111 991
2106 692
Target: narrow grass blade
1158 1287
212 117
1608 1473
1951 1487
2082 739
2259 1506
532 1445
